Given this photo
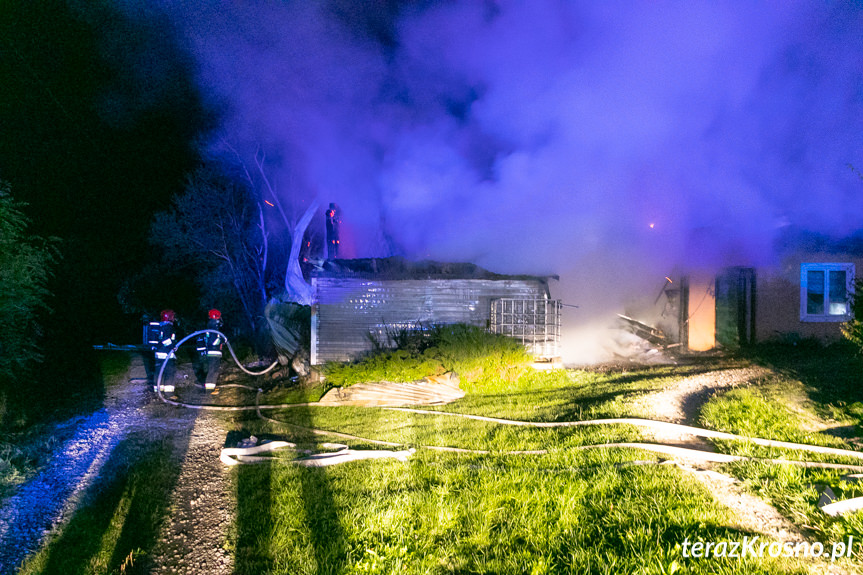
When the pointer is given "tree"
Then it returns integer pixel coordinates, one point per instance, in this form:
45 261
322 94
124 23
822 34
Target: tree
215 232
239 238
26 263
297 289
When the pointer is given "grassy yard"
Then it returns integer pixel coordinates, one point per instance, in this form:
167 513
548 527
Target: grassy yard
570 510
814 396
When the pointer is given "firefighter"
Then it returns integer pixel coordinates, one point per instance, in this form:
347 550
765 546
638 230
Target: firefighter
148 349
209 347
162 339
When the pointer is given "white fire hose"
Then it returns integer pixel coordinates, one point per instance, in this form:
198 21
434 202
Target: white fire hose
250 453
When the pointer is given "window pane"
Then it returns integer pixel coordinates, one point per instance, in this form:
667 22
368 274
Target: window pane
815 292
838 297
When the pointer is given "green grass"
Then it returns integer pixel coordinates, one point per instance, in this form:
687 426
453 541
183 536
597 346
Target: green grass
562 395
830 376
571 510
117 525
795 492
441 513
472 352
813 394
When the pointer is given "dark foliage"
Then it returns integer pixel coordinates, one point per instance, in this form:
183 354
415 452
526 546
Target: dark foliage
214 235
853 330
26 264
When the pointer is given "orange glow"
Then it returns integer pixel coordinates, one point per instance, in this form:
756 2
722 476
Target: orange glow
269 203
702 313
651 225
668 279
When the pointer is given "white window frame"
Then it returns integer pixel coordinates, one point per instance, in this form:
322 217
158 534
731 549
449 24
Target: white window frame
805 268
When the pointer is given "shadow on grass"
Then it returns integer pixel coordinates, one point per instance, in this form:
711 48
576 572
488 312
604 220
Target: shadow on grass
118 522
266 491
595 399
833 375
254 519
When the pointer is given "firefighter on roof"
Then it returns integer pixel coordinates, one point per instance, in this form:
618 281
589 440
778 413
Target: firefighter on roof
161 338
209 347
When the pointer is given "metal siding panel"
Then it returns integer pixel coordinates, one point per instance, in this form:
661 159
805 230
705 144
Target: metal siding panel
347 309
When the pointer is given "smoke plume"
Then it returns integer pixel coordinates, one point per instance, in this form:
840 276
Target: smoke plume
605 142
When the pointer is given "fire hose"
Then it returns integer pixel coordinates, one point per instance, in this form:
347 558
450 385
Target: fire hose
235 455
249 454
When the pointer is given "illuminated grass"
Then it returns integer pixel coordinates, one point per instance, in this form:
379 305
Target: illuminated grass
814 391
571 510
472 352
441 513
118 522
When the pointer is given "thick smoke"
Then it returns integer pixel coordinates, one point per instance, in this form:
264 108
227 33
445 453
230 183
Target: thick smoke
606 142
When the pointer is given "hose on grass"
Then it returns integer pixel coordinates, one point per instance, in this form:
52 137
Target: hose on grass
675 428
233 456
678 452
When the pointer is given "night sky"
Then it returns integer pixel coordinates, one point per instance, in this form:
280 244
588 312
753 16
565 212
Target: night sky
607 142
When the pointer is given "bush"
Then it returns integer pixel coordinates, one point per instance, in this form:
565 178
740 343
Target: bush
853 330
25 266
472 352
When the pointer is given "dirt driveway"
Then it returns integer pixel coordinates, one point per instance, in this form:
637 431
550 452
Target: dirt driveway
192 539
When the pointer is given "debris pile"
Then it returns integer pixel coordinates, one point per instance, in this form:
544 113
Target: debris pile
432 390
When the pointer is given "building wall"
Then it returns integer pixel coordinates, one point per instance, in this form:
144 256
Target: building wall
347 310
778 300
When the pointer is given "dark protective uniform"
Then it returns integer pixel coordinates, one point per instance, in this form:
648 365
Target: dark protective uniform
162 339
152 331
209 347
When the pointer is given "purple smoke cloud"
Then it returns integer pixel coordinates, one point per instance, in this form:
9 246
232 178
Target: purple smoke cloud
600 140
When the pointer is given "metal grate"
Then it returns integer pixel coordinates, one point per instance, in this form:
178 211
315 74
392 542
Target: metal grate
533 322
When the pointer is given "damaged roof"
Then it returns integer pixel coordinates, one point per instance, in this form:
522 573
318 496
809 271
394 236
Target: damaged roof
399 268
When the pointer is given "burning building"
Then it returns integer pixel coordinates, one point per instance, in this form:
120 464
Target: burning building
807 296
357 301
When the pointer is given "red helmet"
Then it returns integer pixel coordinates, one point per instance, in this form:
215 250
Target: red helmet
214 314
167 315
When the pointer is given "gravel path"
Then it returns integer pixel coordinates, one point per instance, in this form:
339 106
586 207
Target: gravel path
50 498
192 539
681 400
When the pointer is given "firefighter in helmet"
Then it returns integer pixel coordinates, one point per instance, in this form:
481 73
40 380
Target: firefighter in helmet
209 347
161 337
148 347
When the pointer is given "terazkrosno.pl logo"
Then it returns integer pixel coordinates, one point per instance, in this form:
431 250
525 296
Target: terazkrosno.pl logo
755 547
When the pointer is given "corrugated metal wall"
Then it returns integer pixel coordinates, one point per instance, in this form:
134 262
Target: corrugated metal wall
347 310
